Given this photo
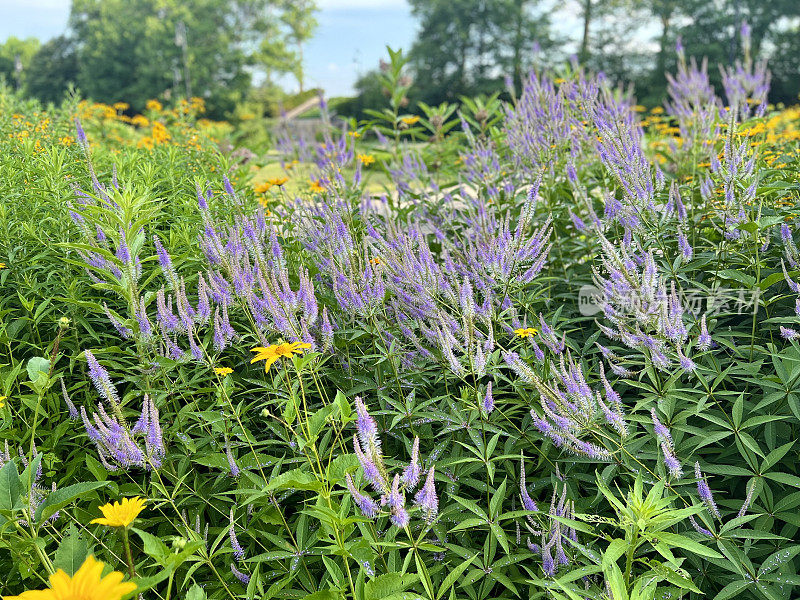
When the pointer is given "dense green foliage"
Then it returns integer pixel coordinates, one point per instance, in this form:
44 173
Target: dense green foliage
434 409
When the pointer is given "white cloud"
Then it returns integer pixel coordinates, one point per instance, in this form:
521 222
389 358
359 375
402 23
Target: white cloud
333 67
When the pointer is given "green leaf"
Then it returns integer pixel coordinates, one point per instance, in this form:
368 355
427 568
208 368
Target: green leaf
37 366
60 498
387 585
778 558
10 486
196 593
684 543
615 549
153 546
453 576
71 552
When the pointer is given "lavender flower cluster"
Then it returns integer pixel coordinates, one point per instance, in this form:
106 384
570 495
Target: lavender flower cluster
392 490
118 445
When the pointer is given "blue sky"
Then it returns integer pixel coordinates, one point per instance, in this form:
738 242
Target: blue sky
350 38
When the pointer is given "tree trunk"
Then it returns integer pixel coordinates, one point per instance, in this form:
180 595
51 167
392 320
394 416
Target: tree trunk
587 19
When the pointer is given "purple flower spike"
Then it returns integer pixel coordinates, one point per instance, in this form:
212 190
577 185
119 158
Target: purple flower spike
238 551
412 472
705 492
488 400
367 506
527 501
426 498
100 379
244 578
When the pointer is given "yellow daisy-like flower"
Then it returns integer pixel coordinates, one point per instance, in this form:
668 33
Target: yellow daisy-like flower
88 583
120 514
316 186
262 188
2 265
354 134
279 181
366 159
223 371
526 332
154 105
410 120
270 354
3 401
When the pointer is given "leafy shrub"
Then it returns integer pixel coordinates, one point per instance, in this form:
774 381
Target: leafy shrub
473 385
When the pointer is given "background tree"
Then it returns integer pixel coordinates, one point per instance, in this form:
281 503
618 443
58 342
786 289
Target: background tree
127 49
467 47
281 51
52 70
16 52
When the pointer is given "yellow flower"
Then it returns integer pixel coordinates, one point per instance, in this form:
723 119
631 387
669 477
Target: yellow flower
354 134
223 371
657 110
316 186
272 353
527 332
121 105
410 120
2 401
262 188
153 105
66 140
120 514
366 159
140 120
2 265
279 181
88 583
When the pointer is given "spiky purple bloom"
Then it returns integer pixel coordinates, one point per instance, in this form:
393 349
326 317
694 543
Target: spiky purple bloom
81 134
426 498
232 466
226 183
789 334
705 492
662 433
672 463
165 261
145 326
488 400
326 331
412 472
687 364
684 246
100 379
123 252
121 329
372 473
238 551
527 502
367 427
74 415
751 487
699 528
704 339
244 578
367 506
786 233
